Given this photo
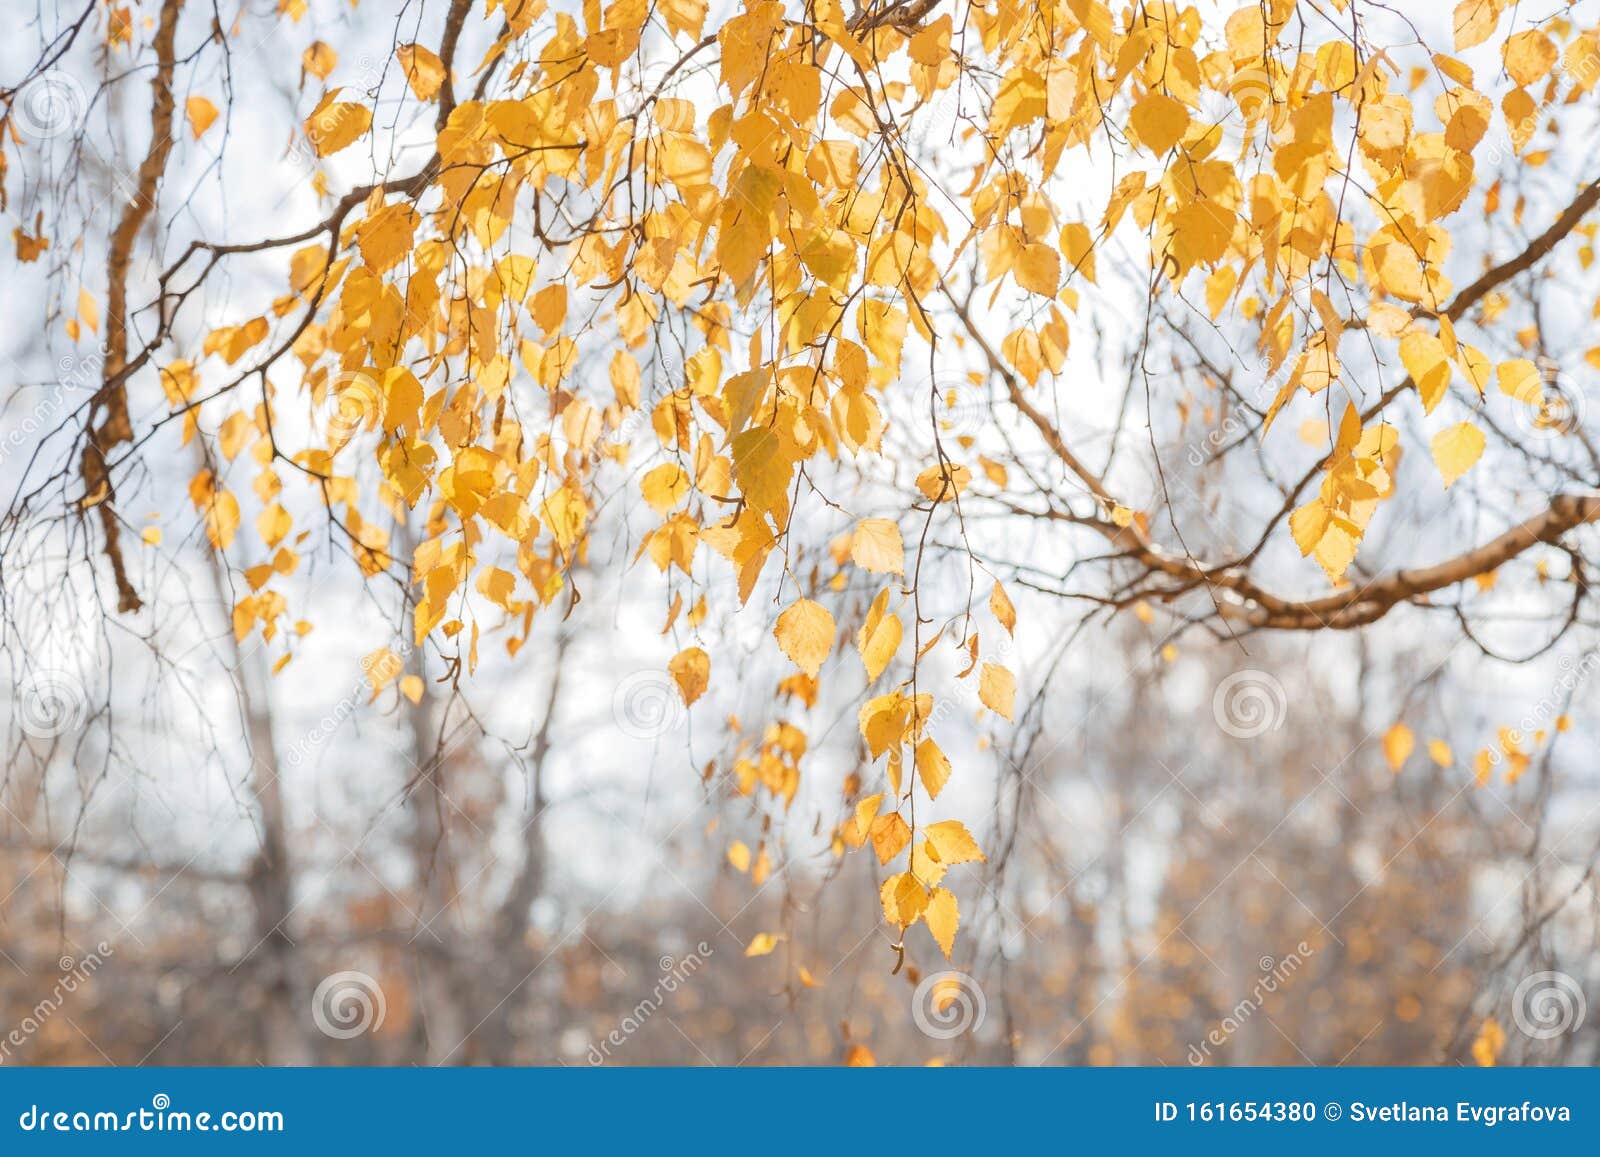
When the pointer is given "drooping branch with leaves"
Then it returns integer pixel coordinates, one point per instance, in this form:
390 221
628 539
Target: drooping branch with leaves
945 322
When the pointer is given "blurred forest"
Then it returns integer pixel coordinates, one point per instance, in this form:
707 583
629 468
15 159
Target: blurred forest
330 739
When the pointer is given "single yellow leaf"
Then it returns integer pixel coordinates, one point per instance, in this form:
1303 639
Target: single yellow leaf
1038 269
890 835
1440 753
691 668
664 487
933 766
1456 449
1529 55
879 638
201 113
739 856
903 899
334 125
319 59
762 944
950 841
1520 378
876 546
1398 743
424 71
1159 120
997 689
805 632
943 917
866 811
1000 606
943 482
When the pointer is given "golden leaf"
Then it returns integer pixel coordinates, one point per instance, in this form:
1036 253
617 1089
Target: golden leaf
805 632
997 689
691 668
943 917
1398 743
1456 449
952 843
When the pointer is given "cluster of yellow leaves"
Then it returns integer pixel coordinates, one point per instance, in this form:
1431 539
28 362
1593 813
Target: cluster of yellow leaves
782 196
1513 747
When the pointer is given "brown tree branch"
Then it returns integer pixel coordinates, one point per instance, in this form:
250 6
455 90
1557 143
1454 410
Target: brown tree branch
112 397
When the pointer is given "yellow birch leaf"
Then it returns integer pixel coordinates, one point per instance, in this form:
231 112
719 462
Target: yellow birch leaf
1529 56
201 113
319 59
1000 606
805 632
950 841
943 917
878 641
903 899
997 689
1038 269
876 546
762 944
1398 743
691 668
866 811
1520 379
1456 450
933 766
890 835
1159 120
335 125
424 71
